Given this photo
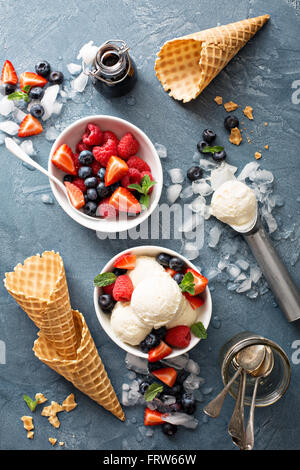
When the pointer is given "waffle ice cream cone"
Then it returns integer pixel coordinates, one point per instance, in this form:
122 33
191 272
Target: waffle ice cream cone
186 65
86 372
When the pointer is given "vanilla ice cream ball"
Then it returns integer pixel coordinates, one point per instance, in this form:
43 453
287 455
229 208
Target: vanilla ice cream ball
186 316
234 203
157 300
145 266
126 326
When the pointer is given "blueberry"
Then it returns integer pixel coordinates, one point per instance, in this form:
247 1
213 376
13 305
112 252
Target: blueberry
37 110
175 391
119 271
169 429
188 403
68 178
106 303
155 366
178 277
163 259
102 190
219 156
101 174
143 387
230 122
56 77
86 157
113 187
90 208
201 145
9 88
36 93
84 172
150 342
91 182
92 194
194 173
161 332
209 135
43 68
176 263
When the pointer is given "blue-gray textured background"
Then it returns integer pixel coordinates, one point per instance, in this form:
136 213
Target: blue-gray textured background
261 75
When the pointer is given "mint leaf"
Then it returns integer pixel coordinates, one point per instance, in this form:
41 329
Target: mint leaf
199 330
31 403
104 279
144 187
19 95
153 390
137 187
26 88
216 148
144 201
187 284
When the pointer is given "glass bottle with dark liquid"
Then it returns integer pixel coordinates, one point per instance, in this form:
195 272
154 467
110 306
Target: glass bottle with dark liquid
114 72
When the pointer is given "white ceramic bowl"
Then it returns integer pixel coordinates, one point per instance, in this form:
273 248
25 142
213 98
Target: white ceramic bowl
71 136
204 314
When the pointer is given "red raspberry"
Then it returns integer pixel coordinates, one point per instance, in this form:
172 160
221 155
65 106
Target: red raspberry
123 288
128 146
103 154
76 161
106 210
138 163
93 135
151 178
80 184
95 166
81 146
109 289
179 336
133 177
109 135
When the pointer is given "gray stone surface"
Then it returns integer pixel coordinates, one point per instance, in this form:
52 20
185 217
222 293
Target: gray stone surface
261 75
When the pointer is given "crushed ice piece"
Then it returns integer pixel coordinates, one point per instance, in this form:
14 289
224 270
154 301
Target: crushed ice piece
176 175
212 273
131 375
178 362
74 69
233 271
202 187
80 82
223 263
248 171
264 288
47 199
192 367
149 433
169 400
196 157
221 174
173 192
125 387
189 250
19 115
181 419
207 165
229 247
51 134
137 364
88 53
232 286
255 274
214 236
161 150
57 107
198 204
244 286
262 177
192 382
187 192
270 220
241 277
252 294
244 265
206 390
48 100
28 148
9 127
6 106
190 222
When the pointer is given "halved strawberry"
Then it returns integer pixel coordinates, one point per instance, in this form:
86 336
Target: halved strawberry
124 201
8 74
115 170
194 300
167 375
152 417
32 79
199 281
126 261
75 194
158 353
30 126
170 271
63 159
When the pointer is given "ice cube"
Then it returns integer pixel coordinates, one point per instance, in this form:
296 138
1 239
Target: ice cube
232 286
169 400
181 419
212 273
233 271
255 274
192 367
176 175
187 192
248 171
189 250
252 294
28 148
131 375
192 382
190 222
223 263
207 390
214 236
222 174
18 115
241 277
161 150
57 107
196 157
202 187
137 364
173 192
198 204
48 100
51 134
270 220
262 177
244 265
88 53
125 387
9 127
178 362
80 82
6 106
207 165
244 286
74 69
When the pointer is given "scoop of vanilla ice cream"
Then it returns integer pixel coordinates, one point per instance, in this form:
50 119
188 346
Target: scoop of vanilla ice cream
186 315
126 325
234 203
157 300
146 266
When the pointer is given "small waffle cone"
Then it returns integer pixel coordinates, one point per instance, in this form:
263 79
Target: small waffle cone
86 372
186 65
40 288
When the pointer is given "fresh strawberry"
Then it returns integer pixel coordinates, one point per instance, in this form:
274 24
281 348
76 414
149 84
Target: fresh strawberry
124 201
105 210
151 178
195 300
109 289
81 146
30 126
95 166
179 336
79 182
32 79
127 146
63 159
8 74
115 170
170 271
109 135
102 154
200 281
158 353
76 195
167 375
126 261
132 177
153 417
138 163
93 135
123 288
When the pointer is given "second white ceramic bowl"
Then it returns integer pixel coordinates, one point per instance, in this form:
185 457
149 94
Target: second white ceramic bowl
204 312
72 135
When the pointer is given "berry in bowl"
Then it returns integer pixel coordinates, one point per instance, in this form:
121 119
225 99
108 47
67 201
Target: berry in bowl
111 171
152 302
